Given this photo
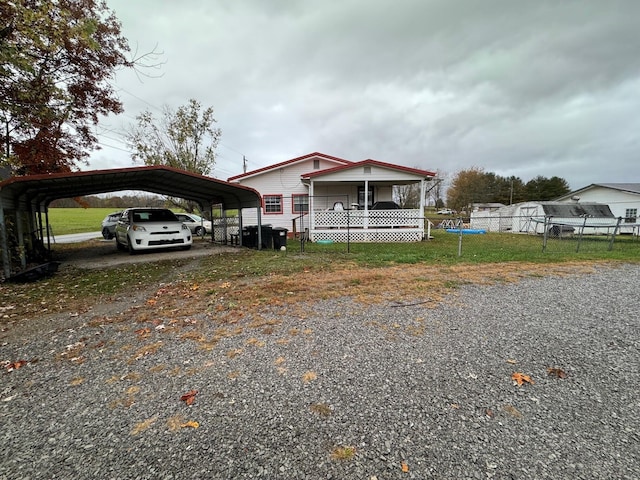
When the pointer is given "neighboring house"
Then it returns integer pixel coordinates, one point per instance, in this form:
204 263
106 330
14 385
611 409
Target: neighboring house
554 217
330 198
622 198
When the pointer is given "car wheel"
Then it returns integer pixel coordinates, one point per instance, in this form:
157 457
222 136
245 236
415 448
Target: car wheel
200 231
120 246
132 250
106 234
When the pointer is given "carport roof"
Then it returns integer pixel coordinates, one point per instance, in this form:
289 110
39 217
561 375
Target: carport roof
40 190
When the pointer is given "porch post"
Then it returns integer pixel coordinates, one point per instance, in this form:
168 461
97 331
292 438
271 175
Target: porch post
312 213
365 220
422 205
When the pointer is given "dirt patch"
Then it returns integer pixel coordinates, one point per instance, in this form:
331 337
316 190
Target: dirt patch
101 253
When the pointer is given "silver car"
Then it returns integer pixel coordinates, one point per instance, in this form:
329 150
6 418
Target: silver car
109 225
151 228
198 225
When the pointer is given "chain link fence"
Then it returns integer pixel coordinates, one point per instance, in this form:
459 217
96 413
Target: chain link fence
546 234
338 223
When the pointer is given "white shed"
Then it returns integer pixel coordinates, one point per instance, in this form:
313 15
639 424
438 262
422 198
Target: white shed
557 217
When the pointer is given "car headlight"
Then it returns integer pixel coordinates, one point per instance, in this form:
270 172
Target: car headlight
138 228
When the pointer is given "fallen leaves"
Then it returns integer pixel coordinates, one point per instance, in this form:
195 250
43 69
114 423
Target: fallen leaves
11 366
520 378
309 377
321 409
190 424
513 411
404 467
556 372
189 397
144 425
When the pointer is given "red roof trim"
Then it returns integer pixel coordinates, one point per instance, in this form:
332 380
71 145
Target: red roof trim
288 162
111 171
369 161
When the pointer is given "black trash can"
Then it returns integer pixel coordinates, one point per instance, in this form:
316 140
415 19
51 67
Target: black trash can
279 237
266 233
250 236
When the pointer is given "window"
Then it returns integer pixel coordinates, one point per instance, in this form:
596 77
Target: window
300 203
361 197
316 164
630 215
272 204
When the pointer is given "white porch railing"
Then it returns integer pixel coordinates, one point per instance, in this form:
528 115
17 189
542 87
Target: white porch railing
405 225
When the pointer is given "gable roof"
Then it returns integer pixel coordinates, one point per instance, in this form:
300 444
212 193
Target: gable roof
370 162
40 190
622 187
288 162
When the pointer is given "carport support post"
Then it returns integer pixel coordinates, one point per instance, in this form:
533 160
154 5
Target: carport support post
20 228
259 228
4 244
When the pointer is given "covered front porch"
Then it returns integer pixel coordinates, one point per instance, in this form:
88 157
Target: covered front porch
357 203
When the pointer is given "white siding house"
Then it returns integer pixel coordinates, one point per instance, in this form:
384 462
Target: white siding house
285 198
329 198
622 198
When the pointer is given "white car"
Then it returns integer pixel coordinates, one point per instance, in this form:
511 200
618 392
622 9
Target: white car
446 211
198 225
151 228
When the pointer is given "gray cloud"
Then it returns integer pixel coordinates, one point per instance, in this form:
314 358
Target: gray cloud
518 88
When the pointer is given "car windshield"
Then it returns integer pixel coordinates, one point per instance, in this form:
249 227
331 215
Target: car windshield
154 216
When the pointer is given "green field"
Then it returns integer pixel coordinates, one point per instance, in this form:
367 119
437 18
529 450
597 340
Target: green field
77 220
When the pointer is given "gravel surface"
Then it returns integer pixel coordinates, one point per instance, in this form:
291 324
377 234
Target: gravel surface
412 391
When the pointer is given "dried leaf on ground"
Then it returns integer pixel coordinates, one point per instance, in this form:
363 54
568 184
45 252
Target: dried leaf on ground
513 411
189 397
190 424
521 378
11 366
309 377
142 426
404 467
556 372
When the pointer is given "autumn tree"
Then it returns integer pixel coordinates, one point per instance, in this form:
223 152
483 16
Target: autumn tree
57 58
468 187
184 138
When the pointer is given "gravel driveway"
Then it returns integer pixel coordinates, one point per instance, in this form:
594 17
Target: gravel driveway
339 390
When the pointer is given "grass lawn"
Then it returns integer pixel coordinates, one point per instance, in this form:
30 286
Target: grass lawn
77 220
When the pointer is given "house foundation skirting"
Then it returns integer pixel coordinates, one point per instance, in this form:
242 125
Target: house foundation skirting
368 235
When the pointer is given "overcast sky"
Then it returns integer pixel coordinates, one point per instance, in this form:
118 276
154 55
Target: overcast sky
520 88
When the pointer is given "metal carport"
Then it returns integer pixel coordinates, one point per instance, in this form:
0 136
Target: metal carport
27 198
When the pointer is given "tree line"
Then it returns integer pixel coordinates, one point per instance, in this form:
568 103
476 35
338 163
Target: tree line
117 202
474 185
